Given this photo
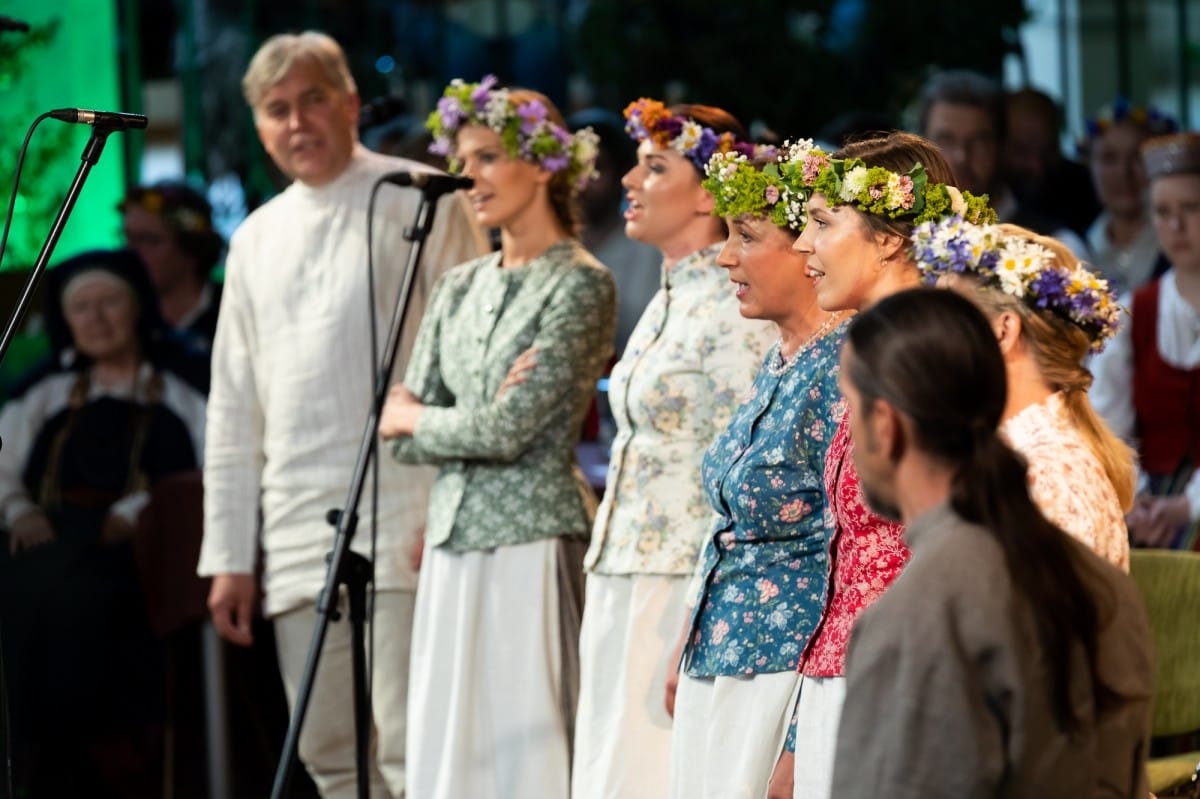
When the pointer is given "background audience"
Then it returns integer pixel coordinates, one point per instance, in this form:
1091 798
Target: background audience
83 446
170 226
1040 175
1122 242
966 115
1146 381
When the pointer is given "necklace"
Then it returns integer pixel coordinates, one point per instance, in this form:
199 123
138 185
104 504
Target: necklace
779 365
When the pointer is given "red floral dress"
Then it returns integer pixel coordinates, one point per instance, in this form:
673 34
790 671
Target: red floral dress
868 553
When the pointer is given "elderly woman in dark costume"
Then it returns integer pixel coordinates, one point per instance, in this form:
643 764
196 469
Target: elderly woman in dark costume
81 448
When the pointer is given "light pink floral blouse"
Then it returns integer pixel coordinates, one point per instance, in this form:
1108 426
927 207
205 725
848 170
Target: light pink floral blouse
1066 479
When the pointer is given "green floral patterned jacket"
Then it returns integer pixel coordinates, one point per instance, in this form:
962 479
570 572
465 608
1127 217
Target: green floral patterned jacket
507 464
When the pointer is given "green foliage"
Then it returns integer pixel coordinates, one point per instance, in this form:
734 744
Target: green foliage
37 199
937 202
740 188
14 51
978 210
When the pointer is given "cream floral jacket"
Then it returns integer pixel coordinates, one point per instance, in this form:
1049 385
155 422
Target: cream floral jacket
687 366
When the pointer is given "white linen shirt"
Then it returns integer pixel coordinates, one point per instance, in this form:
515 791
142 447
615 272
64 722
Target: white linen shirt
292 372
686 368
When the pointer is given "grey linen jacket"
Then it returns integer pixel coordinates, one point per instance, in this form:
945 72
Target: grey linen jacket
946 692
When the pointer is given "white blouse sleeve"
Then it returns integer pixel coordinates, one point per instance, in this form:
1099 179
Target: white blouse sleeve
1112 386
20 422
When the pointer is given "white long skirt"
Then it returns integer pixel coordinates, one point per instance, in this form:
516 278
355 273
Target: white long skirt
818 711
631 624
492 692
729 732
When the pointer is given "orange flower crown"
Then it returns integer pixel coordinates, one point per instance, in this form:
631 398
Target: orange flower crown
647 119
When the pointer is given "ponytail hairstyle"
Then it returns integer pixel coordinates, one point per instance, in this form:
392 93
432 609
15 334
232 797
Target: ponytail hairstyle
1058 347
933 356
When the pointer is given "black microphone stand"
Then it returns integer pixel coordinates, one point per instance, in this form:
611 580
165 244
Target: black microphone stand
346 567
91 155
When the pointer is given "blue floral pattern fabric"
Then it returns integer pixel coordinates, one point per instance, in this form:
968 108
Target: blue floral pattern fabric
764 569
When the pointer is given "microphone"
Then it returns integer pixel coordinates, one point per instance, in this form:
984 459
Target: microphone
434 184
10 24
108 120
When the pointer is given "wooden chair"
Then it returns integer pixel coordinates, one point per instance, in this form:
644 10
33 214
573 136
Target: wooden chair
1170 584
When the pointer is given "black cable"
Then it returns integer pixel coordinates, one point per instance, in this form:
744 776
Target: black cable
12 197
376 377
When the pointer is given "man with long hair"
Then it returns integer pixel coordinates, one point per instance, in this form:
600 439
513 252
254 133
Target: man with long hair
1007 660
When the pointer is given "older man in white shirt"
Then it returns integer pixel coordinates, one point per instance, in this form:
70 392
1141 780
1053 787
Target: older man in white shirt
291 391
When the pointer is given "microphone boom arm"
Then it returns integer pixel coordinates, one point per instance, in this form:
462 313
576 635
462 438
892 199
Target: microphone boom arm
91 155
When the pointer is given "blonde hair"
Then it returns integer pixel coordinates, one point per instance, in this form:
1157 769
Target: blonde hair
280 53
1058 347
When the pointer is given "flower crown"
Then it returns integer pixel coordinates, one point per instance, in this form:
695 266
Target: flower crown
1020 268
525 128
650 119
1148 118
879 191
744 184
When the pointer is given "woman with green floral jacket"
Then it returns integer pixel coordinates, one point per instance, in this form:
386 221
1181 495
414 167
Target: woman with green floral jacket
499 381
